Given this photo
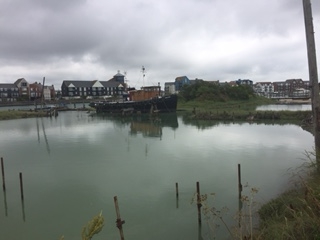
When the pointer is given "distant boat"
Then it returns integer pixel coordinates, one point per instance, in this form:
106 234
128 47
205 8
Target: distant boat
146 100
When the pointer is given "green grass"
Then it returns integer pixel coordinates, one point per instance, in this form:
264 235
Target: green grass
295 214
238 110
7 115
240 105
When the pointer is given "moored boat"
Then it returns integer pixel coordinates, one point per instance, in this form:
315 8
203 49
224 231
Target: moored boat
146 100
150 105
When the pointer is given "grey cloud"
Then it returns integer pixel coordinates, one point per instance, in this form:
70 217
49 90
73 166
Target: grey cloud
220 39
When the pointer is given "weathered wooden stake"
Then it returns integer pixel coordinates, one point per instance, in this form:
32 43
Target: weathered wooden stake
21 185
5 203
119 222
23 212
200 232
177 190
177 196
239 181
199 205
3 179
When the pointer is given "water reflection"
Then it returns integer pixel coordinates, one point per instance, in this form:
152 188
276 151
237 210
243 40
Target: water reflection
147 129
285 107
5 203
200 233
88 165
23 211
146 125
44 134
206 124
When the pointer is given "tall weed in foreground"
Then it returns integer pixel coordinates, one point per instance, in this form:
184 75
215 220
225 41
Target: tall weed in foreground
295 214
244 219
92 228
247 214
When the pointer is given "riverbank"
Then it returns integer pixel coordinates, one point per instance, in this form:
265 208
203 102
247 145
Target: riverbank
31 113
8 115
38 103
244 110
295 213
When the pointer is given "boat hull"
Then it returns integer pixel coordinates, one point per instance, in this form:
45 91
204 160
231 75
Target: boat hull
161 104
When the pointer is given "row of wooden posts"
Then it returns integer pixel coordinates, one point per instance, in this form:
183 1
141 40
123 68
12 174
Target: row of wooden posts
4 190
119 221
4 182
199 205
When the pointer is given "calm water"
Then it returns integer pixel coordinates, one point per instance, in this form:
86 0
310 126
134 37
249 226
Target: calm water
74 165
285 107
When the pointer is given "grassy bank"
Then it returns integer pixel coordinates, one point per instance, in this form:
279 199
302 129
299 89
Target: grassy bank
295 213
7 115
237 110
231 105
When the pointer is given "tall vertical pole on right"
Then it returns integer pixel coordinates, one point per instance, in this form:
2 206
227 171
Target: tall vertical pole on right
313 76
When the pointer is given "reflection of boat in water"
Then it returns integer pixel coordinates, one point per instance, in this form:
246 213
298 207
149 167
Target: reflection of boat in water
147 125
147 129
152 126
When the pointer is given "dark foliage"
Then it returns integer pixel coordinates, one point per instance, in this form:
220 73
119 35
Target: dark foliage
215 92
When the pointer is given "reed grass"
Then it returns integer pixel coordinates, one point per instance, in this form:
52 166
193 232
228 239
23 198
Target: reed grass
295 214
93 227
244 219
228 106
17 114
237 110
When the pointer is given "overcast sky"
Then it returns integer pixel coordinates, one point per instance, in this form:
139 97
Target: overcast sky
261 40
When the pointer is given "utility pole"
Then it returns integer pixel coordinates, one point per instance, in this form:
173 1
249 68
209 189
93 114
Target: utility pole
313 76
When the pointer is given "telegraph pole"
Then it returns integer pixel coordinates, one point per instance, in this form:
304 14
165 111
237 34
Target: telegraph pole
313 76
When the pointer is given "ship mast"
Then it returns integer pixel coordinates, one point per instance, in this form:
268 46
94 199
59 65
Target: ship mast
143 70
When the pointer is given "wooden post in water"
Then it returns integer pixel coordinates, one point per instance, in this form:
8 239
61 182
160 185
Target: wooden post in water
5 203
177 195
313 76
199 205
42 93
21 185
239 181
119 222
23 212
177 190
3 179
